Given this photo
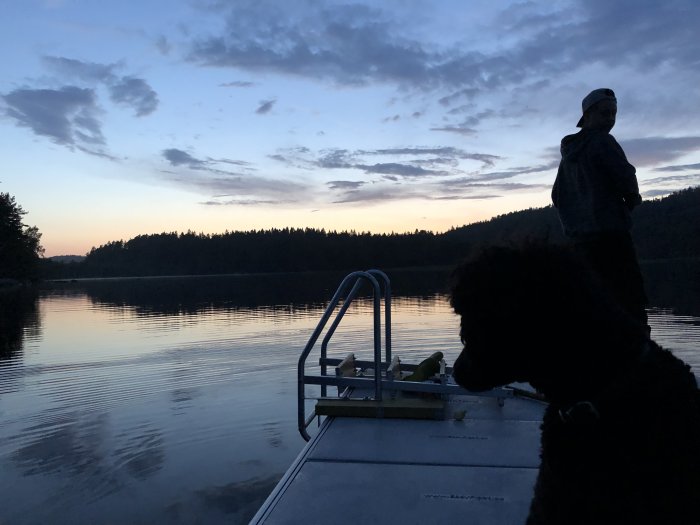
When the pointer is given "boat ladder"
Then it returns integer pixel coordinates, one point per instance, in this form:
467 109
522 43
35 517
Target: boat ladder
381 370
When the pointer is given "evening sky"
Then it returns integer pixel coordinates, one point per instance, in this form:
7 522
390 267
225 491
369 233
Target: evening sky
122 118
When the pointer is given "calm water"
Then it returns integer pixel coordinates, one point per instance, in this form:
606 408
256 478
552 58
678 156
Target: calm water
174 400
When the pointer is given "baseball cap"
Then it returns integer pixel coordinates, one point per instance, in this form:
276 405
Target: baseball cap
594 97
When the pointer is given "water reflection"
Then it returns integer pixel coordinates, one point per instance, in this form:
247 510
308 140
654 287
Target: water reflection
18 315
674 285
670 284
277 293
152 400
142 453
72 447
78 449
230 503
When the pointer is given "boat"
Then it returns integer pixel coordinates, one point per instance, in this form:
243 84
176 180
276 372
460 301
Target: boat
402 451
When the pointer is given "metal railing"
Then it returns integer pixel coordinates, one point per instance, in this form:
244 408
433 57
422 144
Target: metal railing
356 280
381 380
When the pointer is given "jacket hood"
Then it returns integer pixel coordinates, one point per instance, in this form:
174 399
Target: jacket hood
571 145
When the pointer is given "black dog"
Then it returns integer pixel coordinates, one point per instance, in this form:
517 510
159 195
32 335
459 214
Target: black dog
621 435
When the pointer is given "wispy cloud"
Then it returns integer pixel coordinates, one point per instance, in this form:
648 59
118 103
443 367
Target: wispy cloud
265 106
514 172
682 167
401 170
73 69
460 130
344 184
377 193
245 202
227 187
684 180
238 84
651 151
178 157
424 158
163 45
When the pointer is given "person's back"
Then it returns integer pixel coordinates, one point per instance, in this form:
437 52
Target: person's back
595 185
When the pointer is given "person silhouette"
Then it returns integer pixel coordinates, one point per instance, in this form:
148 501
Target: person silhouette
594 193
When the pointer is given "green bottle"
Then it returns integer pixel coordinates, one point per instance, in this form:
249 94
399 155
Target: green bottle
426 368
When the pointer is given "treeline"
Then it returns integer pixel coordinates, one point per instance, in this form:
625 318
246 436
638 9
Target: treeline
275 250
665 228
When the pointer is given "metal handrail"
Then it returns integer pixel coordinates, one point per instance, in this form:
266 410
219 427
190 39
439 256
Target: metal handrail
346 304
356 278
443 387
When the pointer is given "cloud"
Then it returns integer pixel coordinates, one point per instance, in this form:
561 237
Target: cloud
682 167
246 202
163 45
446 153
260 188
67 116
538 45
449 189
460 130
396 165
238 84
125 90
514 172
651 194
432 173
344 184
685 180
136 93
467 197
177 157
335 159
246 188
78 70
349 44
450 186
402 170
377 193
655 150
265 106
240 163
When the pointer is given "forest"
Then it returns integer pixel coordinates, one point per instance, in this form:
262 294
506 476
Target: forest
667 228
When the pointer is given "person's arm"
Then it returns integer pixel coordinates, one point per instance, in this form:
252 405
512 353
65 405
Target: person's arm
555 189
632 200
612 161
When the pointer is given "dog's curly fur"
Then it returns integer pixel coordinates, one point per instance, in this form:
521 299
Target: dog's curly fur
628 447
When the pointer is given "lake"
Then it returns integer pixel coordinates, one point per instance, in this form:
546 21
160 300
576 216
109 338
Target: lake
173 400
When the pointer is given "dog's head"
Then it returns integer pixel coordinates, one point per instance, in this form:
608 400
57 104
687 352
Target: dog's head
532 315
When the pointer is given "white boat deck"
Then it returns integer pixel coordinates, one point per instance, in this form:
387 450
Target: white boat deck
480 470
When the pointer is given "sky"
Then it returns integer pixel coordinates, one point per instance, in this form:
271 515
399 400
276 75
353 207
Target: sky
121 118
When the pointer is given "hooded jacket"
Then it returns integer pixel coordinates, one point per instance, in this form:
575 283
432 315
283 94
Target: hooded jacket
596 187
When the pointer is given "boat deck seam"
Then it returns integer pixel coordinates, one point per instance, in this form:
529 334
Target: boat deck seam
416 463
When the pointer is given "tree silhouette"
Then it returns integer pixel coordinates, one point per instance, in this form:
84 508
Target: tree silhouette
19 244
